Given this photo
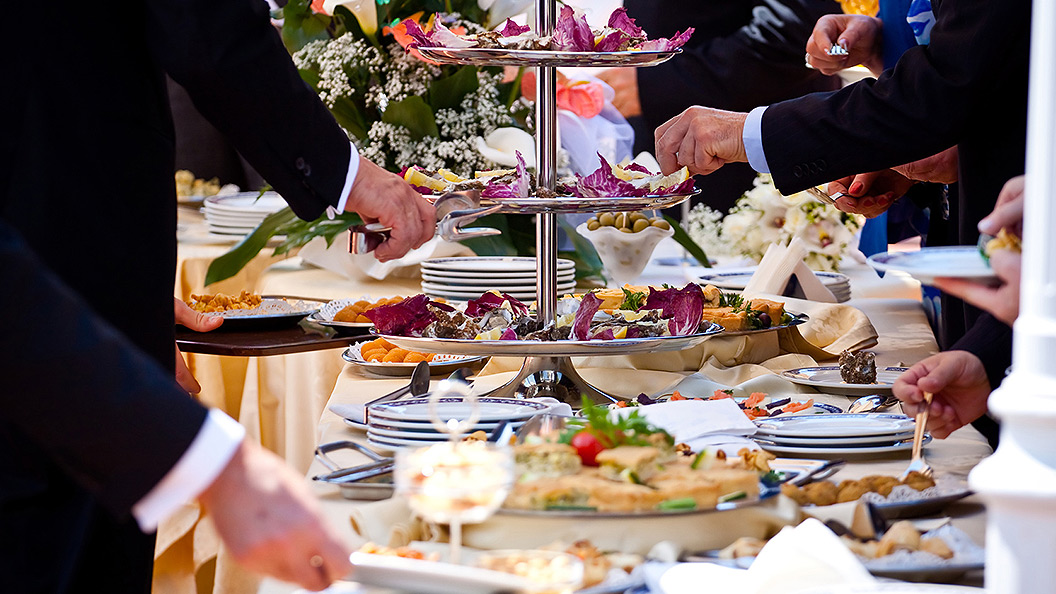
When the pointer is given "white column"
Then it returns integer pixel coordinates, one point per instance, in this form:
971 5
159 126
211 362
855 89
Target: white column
1018 482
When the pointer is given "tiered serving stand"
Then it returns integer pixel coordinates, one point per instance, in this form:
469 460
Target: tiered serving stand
547 369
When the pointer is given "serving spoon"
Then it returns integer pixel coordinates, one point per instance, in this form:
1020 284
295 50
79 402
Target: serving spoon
872 403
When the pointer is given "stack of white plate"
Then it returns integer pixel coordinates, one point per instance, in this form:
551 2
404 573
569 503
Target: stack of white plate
736 280
239 214
841 434
462 279
404 423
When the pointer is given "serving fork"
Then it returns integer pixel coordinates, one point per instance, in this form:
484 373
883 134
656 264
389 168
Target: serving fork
917 464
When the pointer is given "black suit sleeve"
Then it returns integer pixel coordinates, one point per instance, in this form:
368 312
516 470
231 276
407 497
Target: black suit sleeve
989 339
240 76
75 387
758 63
931 98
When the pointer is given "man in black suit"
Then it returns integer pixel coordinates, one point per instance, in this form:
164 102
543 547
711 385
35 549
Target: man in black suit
86 176
743 53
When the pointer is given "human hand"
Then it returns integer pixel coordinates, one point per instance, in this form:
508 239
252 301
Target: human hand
960 388
625 82
271 523
199 322
702 139
870 194
380 196
1001 301
940 168
859 35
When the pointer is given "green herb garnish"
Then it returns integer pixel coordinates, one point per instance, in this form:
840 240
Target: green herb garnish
733 496
677 504
632 300
614 430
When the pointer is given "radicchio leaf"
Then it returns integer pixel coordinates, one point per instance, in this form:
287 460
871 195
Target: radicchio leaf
611 42
441 36
620 21
508 334
632 166
517 189
512 29
588 306
604 183
406 318
667 45
605 334
684 307
683 188
571 32
421 38
493 300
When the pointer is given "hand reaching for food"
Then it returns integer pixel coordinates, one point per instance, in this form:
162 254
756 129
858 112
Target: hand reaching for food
859 35
960 388
870 194
381 196
199 322
702 139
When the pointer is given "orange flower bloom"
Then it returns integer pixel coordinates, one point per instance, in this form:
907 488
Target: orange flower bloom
317 6
585 99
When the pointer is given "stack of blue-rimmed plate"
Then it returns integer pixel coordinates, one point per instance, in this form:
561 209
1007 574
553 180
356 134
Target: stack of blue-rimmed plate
842 434
239 214
408 423
462 279
735 280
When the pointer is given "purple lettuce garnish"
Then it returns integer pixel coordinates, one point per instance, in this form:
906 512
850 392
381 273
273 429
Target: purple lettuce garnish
518 189
611 42
512 29
632 166
683 188
588 306
440 36
571 32
603 183
421 38
620 21
684 307
508 334
406 318
667 45
605 334
492 300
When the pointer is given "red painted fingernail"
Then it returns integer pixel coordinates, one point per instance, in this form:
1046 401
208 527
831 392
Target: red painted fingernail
856 188
867 202
883 200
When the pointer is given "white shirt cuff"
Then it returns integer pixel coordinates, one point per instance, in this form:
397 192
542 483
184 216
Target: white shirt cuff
350 178
752 136
196 469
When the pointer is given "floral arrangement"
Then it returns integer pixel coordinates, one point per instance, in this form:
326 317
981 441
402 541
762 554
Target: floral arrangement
764 216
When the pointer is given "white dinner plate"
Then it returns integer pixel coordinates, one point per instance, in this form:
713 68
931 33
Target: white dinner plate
528 293
956 261
889 588
499 276
490 409
827 379
402 436
500 284
737 280
863 450
432 577
816 442
841 425
246 202
425 426
492 264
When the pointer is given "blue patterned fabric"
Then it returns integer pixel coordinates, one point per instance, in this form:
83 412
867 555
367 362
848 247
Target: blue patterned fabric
921 19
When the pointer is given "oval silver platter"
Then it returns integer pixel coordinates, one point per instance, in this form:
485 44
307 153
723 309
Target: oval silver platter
480 56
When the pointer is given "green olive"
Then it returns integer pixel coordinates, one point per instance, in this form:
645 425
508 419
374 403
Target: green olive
592 220
626 230
593 225
640 225
662 224
606 219
637 216
621 220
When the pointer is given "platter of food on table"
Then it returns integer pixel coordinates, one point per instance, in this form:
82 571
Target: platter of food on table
611 187
346 315
736 280
247 311
757 405
381 357
892 497
856 375
573 43
836 434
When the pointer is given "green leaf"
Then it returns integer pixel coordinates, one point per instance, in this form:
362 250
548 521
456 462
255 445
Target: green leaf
687 242
448 92
414 114
232 262
300 25
350 117
299 232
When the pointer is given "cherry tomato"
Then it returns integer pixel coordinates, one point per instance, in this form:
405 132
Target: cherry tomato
588 446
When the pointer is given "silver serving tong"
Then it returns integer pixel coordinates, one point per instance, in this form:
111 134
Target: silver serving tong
453 210
824 196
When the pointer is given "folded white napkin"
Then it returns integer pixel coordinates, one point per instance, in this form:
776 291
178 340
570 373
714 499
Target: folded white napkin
806 556
701 423
779 265
336 258
357 412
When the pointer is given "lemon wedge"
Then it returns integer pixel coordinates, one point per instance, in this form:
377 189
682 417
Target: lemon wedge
628 174
450 176
493 173
493 334
417 178
672 180
620 332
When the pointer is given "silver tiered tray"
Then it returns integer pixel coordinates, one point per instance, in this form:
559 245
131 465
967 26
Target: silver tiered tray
569 204
478 56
